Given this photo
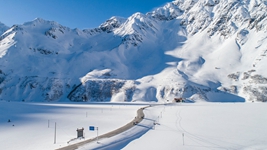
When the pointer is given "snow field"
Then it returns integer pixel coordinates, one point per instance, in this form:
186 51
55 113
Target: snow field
34 123
178 126
206 126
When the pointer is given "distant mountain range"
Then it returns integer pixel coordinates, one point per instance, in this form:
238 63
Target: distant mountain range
198 50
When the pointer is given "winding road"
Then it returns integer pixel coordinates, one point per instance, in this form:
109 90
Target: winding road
137 119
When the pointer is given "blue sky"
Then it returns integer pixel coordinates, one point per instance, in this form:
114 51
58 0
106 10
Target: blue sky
73 13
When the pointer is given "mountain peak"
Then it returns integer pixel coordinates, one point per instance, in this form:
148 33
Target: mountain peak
200 50
167 12
3 28
112 23
37 22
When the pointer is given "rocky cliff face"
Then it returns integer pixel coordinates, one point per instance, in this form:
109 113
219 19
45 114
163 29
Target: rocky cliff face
200 50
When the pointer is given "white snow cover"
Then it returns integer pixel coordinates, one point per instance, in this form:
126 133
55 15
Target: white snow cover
178 126
32 125
200 50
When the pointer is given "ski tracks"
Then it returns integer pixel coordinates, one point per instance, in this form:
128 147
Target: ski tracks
197 140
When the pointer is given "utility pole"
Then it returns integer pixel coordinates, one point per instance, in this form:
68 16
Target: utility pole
55 133
97 134
183 138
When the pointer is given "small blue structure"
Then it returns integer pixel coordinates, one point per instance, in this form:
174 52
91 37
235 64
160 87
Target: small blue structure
91 128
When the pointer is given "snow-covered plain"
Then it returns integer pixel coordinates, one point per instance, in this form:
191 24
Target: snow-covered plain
207 126
34 123
204 125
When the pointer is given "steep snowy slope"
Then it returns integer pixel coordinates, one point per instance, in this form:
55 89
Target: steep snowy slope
210 50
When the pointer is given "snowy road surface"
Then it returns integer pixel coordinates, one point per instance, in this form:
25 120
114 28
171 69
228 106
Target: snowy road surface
134 122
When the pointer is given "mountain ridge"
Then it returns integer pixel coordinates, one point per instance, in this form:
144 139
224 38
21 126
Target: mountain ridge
3 28
200 50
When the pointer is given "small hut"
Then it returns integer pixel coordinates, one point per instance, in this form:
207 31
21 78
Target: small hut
80 133
178 100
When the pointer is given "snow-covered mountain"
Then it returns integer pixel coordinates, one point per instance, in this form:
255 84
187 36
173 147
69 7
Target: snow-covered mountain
3 28
200 50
